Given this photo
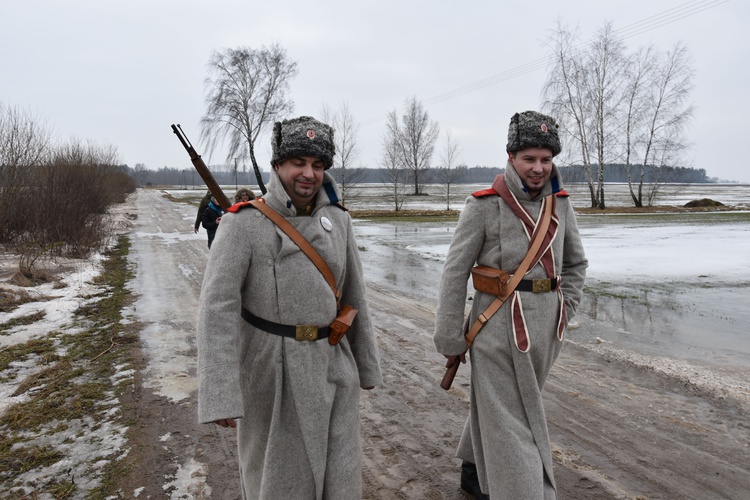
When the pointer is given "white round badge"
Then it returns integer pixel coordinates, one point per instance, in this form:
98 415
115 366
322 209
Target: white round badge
326 224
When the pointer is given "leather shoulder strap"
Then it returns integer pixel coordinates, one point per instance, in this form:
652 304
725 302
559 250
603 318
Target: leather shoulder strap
301 242
518 275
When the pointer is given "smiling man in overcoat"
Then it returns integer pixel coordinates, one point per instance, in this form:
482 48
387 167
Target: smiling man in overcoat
506 431
294 400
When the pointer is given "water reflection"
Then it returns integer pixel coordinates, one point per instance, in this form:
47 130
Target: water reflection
684 322
707 322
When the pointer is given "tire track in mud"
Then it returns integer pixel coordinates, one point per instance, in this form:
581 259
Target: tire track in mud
410 426
639 434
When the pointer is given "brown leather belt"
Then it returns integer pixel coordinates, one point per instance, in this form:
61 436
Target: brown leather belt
538 285
297 332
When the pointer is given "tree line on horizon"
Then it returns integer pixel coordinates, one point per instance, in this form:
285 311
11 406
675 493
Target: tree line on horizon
189 178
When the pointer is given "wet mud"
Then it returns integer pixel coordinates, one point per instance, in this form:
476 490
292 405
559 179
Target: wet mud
620 427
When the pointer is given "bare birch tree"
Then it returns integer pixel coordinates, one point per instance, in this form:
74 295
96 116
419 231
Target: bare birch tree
607 61
566 99
345 139
585 91
246 90
449 171
612 105
416 137
640 69
667 114
391 163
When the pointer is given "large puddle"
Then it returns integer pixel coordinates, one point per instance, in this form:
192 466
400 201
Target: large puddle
701 320
701 325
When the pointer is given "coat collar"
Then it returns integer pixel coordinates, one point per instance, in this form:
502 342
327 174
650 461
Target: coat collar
513 180
279 200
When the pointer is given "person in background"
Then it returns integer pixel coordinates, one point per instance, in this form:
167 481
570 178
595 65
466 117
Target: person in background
201 208
244 194
505 443
211 219
293 397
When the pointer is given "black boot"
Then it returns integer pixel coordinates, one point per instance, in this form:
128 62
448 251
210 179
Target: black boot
470 481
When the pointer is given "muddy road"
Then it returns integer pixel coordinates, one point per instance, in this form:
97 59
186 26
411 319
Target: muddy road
618 430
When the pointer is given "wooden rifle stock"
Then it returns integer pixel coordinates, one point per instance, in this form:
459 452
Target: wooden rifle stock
450 371
202 169
450 374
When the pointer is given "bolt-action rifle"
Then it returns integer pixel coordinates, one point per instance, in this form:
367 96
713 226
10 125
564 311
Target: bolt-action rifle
202 169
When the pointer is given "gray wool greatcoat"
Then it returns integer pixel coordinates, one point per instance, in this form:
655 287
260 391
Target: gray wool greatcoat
506 432
297 401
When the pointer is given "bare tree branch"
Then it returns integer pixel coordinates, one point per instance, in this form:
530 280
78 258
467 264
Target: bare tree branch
585 91
415 138
345 138
392 162
245 91
449 171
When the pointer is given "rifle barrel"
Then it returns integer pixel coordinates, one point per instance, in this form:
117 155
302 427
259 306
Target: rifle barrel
202 169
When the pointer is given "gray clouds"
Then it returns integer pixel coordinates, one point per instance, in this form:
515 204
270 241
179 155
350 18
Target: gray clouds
121 73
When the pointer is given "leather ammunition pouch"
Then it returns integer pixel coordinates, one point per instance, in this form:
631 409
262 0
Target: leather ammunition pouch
490 280
341 324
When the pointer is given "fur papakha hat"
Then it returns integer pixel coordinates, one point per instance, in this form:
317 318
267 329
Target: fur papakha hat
531 129
303 136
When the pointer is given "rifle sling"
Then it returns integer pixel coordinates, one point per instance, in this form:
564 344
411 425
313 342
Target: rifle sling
302 243
518 275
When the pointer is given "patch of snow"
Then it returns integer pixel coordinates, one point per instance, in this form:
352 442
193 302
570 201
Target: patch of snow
188 482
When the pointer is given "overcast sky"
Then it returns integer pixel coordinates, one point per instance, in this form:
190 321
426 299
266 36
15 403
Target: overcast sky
121 73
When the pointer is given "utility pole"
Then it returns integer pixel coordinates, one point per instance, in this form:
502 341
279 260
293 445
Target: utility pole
235 174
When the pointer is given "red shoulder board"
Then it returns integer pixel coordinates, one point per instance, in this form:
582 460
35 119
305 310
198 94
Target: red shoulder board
242 204
485 192
562 193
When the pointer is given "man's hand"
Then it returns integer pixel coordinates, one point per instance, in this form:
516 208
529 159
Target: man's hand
196 229
226 422
452 359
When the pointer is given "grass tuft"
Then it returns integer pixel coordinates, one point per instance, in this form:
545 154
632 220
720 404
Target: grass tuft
72 383
29 319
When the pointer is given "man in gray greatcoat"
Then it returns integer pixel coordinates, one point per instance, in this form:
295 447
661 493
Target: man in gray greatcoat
506 432
295 403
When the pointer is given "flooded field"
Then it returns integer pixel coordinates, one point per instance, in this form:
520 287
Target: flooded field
375 196
675 286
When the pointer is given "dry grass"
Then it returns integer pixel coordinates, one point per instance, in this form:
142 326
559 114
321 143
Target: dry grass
406 215
71 384
12 298
29 319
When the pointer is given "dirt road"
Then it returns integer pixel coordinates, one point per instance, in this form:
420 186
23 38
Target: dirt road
618 431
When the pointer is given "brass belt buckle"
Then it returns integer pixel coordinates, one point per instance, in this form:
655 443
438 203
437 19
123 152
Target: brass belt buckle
541 285
306 332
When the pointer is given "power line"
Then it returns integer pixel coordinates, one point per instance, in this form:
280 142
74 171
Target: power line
639 27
